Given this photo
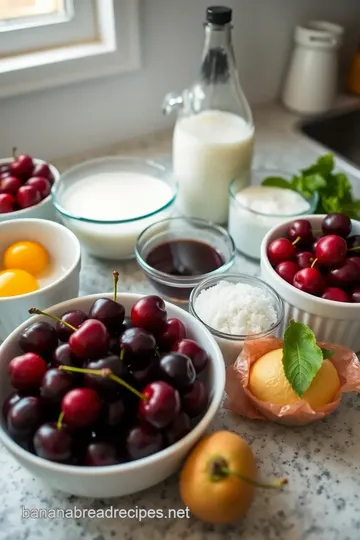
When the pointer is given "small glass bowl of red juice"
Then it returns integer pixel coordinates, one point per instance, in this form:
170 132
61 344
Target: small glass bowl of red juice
178 253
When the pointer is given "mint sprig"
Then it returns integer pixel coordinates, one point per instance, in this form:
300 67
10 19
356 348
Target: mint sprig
333 188
302 357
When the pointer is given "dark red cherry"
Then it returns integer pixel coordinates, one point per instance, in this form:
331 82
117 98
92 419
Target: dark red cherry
53 443
197 354
143 441
74 318
39 338
149 313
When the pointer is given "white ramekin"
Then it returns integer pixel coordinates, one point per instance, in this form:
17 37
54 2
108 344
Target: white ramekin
336 322
65 252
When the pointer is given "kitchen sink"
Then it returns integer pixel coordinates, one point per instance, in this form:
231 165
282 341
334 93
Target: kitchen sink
339 132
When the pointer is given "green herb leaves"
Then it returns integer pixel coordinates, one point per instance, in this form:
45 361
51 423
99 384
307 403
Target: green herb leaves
302 357
334 189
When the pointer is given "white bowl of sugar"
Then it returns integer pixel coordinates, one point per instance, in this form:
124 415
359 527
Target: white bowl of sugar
236 307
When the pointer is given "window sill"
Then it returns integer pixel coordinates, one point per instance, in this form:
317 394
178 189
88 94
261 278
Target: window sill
117 50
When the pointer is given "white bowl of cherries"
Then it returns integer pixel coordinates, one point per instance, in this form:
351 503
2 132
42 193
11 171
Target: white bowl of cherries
25 186
314 265
108 400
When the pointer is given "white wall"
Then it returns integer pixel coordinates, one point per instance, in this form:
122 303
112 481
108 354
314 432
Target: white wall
63 121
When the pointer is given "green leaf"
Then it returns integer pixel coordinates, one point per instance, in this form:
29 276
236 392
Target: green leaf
327 354
302 358
275 181
323 166
313 182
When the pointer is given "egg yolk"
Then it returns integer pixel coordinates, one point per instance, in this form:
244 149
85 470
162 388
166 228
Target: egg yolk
26 255
16 282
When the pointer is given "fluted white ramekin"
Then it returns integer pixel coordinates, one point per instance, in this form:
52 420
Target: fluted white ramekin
336 322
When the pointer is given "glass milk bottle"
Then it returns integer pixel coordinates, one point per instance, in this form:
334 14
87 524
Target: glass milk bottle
214 132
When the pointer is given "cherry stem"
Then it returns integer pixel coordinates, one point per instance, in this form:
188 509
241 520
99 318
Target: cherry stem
354 249
35 311
104 373
122 353
313 263
116 279
296 240
59 421
14 150
219 470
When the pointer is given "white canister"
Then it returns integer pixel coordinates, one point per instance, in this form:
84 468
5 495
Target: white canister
311 82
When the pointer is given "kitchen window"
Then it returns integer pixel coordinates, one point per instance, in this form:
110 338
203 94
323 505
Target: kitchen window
46 43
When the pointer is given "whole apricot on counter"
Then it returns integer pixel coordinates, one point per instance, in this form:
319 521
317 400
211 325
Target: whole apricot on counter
218 479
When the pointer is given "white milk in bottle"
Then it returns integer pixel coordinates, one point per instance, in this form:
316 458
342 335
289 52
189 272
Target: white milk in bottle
209 150
214 132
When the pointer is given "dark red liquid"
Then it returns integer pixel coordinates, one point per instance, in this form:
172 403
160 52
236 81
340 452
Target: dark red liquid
183 258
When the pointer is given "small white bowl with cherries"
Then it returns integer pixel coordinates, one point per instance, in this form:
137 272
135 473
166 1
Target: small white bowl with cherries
314 264
25 186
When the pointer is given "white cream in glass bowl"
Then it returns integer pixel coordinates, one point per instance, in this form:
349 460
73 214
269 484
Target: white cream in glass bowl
107 202
255 209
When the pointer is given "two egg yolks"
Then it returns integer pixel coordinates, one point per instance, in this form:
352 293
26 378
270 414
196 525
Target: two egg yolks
22 262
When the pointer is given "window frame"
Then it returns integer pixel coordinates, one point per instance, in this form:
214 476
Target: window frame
116 50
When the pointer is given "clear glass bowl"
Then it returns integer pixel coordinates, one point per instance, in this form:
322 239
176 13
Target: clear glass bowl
178 287
232 344
112 239
247 226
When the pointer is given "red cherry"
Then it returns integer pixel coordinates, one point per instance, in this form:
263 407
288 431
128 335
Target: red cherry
27 196
195 401
81 407
22 166
309 280
280 250
287 270
160 406
173 332
149 313
335 294
90 341
331 250
10 184
26 371
7 203
345 275
300 231
305 259
42 185
43 170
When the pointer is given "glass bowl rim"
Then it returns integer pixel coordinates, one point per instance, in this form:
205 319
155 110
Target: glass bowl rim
185 281
118 159
272 172
239 276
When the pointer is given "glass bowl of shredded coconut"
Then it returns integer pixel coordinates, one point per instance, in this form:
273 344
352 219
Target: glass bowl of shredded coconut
236 307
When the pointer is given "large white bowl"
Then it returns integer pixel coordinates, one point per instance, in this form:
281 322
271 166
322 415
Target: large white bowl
127 478
44 210
336 322
65 253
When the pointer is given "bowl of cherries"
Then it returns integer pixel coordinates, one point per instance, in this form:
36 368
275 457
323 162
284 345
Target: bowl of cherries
314 264
105 395
25 186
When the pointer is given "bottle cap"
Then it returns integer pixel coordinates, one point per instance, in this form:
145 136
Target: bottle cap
219 15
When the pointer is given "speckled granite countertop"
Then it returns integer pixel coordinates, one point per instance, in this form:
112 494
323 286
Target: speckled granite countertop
321 461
